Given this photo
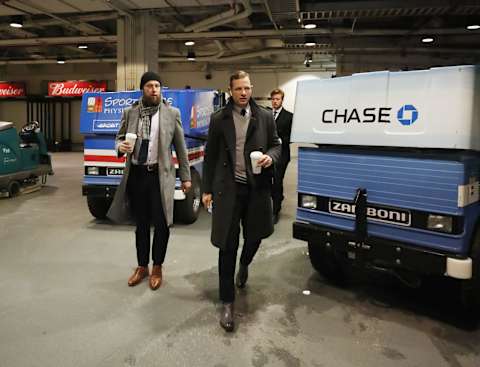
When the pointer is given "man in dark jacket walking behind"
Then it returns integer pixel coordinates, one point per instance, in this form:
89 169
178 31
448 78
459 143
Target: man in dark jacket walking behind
283 121
230 185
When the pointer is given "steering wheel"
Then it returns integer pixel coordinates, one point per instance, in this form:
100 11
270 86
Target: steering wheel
30 127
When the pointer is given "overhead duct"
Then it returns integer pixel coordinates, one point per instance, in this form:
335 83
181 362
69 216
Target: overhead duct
221 19
248 55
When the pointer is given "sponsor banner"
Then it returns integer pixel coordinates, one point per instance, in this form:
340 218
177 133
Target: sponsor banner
75 88
12 89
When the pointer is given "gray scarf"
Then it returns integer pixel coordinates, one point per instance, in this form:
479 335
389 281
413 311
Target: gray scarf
146 113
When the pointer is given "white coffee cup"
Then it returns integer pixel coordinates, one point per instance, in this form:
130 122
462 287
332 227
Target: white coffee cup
254 157
131 138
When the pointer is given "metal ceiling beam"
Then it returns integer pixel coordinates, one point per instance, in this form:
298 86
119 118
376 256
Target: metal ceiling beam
381 4
234 34
299 32
57 40
85 28
74 19
222 18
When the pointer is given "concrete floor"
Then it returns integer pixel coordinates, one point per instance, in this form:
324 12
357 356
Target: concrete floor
65 300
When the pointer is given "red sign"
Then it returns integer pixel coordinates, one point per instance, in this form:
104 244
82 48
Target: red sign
75 88
12 89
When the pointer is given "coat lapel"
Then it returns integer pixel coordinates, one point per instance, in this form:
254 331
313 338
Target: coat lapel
252 126
163 125
133 117
229 133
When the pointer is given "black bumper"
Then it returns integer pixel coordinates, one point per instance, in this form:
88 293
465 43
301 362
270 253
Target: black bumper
373 253
104 191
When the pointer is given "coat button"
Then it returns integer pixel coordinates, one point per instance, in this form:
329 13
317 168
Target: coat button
224 164
219 193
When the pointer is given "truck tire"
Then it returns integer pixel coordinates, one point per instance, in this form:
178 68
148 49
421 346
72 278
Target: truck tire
471 288
186 211
13 188
326 263
98 206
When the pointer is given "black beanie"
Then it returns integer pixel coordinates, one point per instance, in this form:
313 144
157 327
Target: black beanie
146 77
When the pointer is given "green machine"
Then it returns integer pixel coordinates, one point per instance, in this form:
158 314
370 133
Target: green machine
24 159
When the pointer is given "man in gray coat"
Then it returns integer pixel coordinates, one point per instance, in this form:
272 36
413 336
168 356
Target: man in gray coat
148 184
237 194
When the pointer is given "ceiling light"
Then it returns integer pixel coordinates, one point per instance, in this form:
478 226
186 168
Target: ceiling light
310 41
191 56
427 40
473 27
310 26
82 45
60 60
189 43
16 22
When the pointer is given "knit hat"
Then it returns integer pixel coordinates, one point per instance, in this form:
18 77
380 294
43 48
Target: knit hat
147 76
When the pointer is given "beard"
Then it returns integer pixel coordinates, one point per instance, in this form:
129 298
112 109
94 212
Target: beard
152 101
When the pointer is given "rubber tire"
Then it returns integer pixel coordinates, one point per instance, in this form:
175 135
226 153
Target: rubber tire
13 189
98 206
471 288
326 263
186 211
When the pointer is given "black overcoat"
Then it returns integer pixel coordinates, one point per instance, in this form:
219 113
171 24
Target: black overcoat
219 172
284 129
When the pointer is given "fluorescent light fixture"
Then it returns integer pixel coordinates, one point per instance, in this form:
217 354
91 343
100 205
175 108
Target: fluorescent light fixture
191 56
82 45
473 27
189 43
310 41
60 60
427 40
310 26
16 22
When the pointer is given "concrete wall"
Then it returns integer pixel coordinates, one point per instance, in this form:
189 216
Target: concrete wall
37 76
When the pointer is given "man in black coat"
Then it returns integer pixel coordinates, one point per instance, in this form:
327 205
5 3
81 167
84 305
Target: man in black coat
231 188
283 120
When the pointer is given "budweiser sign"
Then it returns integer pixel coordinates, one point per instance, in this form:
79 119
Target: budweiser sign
12 89
75 88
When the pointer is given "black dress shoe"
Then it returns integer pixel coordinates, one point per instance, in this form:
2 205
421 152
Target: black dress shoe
242 276
275 218
226 317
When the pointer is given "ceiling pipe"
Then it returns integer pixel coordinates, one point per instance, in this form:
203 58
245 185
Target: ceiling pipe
69 24
299 32
267 52
54 61
51 21
227 34
57 40
247 55
222 18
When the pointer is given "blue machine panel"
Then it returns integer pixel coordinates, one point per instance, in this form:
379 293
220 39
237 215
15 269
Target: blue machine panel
411 181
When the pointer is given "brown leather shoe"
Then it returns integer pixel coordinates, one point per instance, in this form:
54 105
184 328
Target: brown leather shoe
138 275
156 277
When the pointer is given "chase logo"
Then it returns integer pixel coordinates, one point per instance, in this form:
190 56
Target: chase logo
407 115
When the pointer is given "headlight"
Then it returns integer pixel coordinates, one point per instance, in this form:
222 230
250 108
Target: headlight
440 223
308 201
93 171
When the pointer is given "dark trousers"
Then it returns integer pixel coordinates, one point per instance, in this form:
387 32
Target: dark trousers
277 187
144 194
227 258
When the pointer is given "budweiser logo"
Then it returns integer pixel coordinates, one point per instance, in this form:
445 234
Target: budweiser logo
11 90
73 89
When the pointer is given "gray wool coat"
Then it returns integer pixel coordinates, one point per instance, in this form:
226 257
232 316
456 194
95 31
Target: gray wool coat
219 173
170 132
